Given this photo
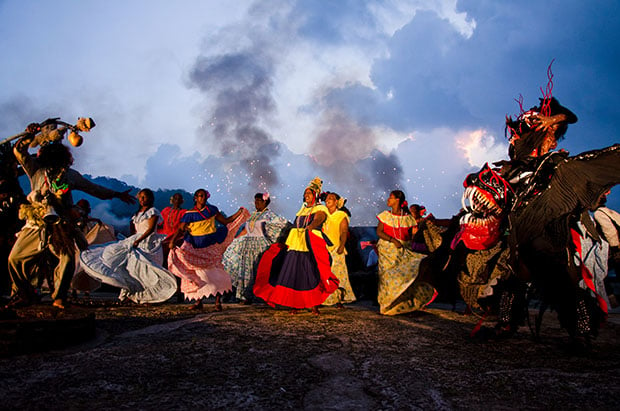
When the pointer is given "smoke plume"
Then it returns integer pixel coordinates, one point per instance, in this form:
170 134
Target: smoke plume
349 158
241 84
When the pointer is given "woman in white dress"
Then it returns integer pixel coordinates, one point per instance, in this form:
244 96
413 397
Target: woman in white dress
241 257
134 264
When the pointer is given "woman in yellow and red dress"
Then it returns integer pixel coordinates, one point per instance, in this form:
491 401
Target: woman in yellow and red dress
298 274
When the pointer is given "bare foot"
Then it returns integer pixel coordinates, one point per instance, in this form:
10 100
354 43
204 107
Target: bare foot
59 303
197 306
218 306
340 306
315 311
293 311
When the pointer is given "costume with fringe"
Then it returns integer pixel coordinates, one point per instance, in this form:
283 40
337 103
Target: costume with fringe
41 247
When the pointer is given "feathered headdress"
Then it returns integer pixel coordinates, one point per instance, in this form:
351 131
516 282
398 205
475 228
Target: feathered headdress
316 185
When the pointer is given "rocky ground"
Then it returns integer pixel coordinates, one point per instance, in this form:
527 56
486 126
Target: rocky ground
255 357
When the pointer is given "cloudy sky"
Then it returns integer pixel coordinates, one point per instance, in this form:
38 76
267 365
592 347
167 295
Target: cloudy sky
248 96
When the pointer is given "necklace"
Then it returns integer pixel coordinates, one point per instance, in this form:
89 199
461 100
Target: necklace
255 217
55 185
396 219
173 217
305 217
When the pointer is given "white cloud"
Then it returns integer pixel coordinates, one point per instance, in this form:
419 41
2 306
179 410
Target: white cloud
393 15
479 147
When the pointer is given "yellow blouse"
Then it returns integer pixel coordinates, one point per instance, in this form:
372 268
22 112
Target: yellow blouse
296 240
331 227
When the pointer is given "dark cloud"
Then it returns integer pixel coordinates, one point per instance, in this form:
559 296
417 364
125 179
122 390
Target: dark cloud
432 76
241 84
348 160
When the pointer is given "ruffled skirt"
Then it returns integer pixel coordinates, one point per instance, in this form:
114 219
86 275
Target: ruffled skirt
296 279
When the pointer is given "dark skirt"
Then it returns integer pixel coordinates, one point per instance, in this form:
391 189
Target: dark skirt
293 278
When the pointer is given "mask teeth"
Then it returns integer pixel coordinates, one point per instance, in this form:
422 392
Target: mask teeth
464 219
471 198
465 195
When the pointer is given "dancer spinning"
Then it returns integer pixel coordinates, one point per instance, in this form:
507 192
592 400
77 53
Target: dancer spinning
299 274
134 264
398 265
241 258
198 262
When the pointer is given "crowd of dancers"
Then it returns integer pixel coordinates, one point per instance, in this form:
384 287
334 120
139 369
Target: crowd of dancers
525 215
199 253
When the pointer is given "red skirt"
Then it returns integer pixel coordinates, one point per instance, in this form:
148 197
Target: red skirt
296 279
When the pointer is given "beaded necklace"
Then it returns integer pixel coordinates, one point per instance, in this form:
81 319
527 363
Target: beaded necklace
55 185
255 217
397 219
306 219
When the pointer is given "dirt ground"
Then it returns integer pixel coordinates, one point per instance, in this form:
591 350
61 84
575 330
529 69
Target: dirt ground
255 357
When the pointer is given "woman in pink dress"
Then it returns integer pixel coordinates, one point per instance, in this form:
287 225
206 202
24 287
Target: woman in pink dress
198 261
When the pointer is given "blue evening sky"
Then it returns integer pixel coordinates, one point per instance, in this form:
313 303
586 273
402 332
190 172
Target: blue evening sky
247 96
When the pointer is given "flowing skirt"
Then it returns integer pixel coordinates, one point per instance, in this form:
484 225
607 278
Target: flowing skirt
241 261
136 271
296 279
98 234
399 292
344 293
200 269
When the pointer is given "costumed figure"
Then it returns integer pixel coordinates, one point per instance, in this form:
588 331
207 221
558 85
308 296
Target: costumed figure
398 290
298 274
11 197
336 227
134 264
540 200
608 224
198 261
427 233
263 228
50 235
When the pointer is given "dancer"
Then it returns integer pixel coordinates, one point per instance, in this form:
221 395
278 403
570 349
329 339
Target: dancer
398 292
171 219
298 274
608 222
134 264
198 261
11 196
171 216
262 229
337 229
50 231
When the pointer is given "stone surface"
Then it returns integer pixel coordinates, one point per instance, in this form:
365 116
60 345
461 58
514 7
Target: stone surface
255 357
